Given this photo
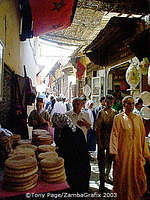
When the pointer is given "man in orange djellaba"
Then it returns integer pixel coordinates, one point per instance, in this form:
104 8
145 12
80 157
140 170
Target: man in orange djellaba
128 146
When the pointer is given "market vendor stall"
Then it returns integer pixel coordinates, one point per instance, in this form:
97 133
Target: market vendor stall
42 187
30 170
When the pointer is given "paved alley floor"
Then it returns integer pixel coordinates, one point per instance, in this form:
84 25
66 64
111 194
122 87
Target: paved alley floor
94 184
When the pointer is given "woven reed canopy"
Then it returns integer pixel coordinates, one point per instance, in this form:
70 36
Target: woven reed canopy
84 28
91 16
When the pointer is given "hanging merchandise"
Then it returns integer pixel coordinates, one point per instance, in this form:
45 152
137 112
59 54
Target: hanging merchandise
84 60
123 85
132 74
143 67
51 15
87 90
25 19
145 96
145 113
80 70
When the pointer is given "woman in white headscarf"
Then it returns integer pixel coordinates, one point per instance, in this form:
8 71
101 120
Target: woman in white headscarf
91 138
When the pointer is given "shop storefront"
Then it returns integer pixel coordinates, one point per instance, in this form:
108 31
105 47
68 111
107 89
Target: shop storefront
115 46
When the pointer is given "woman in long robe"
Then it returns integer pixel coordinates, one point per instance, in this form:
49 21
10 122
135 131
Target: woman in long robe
127 144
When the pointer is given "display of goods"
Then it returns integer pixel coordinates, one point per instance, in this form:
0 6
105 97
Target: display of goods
5 149
132 76
24 141
26 146
46 148
145 113
145 96
47 155
22 151
20 173
143 67
52 169
36 133
15 139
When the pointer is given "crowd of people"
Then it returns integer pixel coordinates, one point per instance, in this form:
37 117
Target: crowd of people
117 131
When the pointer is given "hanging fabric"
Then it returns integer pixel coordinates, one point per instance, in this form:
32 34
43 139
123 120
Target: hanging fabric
81 67
19 116
51 15
26 20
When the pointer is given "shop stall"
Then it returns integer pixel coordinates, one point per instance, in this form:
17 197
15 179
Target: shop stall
30 166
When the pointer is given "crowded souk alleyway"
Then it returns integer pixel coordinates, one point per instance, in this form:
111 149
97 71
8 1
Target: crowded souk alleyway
75 99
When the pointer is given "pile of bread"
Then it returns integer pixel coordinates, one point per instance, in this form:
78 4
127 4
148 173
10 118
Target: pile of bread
27 162
20 173
52 166
40 137
15 139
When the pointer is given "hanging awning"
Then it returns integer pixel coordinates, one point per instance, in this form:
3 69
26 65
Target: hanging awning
51 15
140 45
111 44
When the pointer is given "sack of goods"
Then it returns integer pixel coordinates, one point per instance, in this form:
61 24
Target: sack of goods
20 173
52 170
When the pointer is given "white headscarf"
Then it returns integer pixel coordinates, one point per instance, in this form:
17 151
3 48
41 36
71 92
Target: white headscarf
89 102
